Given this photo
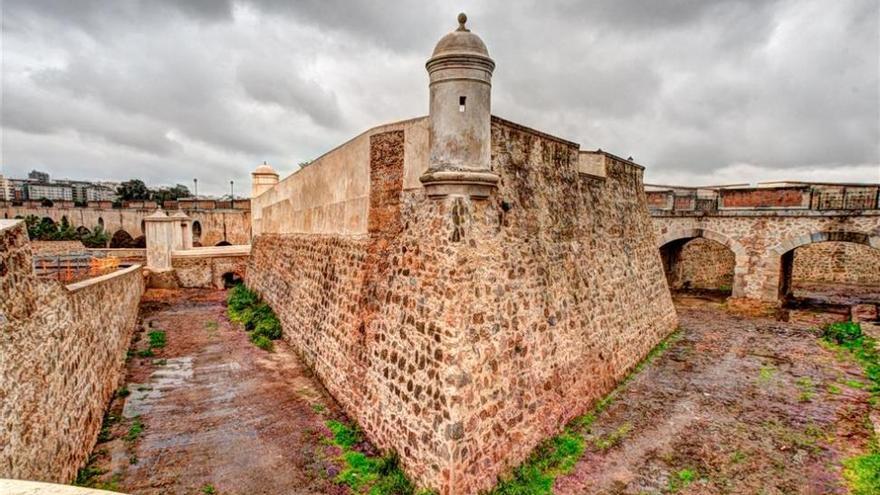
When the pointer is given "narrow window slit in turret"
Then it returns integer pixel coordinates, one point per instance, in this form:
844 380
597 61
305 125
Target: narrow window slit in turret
461 103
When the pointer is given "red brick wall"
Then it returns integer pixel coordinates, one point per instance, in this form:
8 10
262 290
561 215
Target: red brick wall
764 198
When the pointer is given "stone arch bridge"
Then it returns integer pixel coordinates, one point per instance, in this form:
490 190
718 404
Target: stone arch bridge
762 227
214 222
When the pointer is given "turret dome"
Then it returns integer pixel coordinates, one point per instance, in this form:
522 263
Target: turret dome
461 42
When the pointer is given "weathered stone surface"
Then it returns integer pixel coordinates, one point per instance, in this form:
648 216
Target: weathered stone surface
759 239
460 333
62 350
837 262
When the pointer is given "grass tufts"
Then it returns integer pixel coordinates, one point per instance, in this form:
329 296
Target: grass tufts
861 472
157 339
365 474
245 307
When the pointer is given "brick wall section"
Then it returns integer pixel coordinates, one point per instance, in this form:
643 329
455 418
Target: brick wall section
462 333
701 264
765 198
59 366
836 262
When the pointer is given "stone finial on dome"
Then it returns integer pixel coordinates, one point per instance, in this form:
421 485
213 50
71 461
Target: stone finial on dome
462 19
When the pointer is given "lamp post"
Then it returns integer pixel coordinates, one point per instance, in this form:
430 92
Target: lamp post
196 188
231 193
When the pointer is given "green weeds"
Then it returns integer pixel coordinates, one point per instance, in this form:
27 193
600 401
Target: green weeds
862 472
682 479
209 489
134 431
367 474
245 307
807 388
157 339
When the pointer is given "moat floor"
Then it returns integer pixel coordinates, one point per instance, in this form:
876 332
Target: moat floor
218 413
735 405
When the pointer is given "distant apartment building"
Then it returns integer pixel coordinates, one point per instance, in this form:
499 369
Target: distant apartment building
54 192
101 193
37 176
6 192
39 186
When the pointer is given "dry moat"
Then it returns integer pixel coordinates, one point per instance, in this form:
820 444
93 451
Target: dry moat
733 404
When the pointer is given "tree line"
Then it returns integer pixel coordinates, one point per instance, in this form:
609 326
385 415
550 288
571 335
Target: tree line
44 229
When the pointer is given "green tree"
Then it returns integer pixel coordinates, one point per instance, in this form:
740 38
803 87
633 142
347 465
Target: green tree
169 193
97 238
64 232
133 190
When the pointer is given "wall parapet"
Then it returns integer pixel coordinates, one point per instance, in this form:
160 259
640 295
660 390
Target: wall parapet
62 354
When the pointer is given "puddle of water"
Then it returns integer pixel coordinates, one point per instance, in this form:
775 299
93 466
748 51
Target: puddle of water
144 396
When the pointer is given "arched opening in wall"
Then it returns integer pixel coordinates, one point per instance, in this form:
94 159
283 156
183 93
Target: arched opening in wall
830 273
139 242
101 222
143 226
121 239
197 234
223 243
698 266
231 279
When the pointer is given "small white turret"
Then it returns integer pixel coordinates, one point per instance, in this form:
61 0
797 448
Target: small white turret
263 179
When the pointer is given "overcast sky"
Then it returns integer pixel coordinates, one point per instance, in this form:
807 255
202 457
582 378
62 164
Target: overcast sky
698 91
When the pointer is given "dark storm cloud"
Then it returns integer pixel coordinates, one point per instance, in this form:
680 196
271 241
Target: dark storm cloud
699 91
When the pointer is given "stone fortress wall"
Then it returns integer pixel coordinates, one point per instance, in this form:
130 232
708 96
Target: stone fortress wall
458 332
62 353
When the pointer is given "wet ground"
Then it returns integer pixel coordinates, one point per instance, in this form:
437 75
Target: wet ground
737 405
218 414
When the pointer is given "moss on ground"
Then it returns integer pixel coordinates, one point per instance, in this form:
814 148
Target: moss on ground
366 474
862 472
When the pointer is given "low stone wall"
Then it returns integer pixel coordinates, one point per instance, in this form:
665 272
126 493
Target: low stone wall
836 262
461 333
54 248
204 267
62 354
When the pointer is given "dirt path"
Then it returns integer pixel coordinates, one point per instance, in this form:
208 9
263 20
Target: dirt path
736 405
219 415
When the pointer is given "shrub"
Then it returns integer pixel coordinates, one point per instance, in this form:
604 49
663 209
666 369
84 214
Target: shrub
262 342
157 339
245 307
239 299
268 327
843 333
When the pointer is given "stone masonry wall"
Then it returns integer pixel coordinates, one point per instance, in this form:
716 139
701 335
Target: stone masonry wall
462 333
62 355
702 264
836 262
207 271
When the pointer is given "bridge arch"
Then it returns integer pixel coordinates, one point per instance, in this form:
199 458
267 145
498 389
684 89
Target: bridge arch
779 259
672 242
121 239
